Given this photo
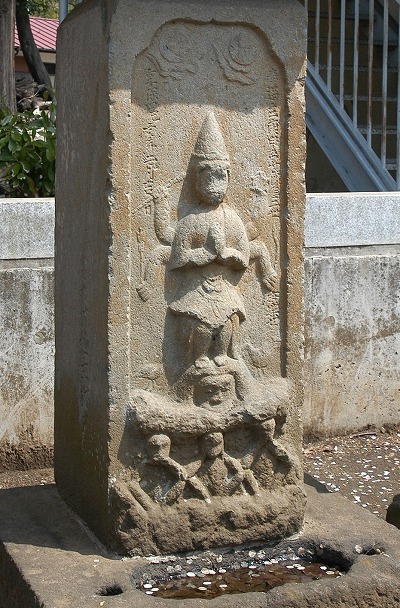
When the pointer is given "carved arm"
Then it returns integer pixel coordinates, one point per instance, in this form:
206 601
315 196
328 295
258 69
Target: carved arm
160 255
235 257
269 278
183 254
162 219
198 257
171 464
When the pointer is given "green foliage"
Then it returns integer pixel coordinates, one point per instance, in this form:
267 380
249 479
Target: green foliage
27 153
42 8
45 8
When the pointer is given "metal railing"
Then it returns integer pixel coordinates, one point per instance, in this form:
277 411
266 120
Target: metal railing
63 9
353 46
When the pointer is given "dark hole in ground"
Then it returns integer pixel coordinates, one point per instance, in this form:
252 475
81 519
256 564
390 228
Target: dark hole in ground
252 577
374 550
108 590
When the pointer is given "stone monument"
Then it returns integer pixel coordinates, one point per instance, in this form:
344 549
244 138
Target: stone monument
179 217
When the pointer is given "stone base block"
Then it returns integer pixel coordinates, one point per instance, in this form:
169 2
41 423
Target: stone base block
48 560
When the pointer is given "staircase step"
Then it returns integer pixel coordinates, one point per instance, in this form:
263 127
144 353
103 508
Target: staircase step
377 130
337 16
336 40
349 97
328 44
350 68
345 146
348 41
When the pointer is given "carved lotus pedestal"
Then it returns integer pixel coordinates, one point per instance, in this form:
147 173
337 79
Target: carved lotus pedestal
179 271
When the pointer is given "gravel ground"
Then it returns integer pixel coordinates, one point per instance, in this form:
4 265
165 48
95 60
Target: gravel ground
364 467
18 479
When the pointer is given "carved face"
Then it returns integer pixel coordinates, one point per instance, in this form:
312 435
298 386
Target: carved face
158 445
212 183
214 390
212 444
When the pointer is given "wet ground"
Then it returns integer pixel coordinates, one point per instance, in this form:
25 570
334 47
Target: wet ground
255 573
364 467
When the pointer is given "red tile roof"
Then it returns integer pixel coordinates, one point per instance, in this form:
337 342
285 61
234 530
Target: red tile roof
44 33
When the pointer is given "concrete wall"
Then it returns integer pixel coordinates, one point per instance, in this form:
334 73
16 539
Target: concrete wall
352 325
352 303
27 332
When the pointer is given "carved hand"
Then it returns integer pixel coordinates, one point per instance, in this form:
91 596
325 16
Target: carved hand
271 281
180 472
174 466
144 291
233 257
217 235
160 193
200 256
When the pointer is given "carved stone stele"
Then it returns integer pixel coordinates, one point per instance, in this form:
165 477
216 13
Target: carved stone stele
178 271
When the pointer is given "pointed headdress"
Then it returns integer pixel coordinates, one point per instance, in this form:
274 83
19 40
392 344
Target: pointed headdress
210 145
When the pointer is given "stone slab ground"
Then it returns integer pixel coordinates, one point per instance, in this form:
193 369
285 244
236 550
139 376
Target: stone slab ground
48 560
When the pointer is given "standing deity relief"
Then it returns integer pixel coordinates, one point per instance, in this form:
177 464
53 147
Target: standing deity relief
187 436
208 251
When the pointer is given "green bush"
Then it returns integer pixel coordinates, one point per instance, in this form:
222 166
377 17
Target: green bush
27 152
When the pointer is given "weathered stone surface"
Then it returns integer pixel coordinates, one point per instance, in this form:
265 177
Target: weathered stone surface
27 333
351 219
48 560
179 271
26 367
26 228
352 339
393 512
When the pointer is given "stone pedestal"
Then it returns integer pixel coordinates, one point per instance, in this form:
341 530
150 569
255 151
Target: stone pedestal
179 214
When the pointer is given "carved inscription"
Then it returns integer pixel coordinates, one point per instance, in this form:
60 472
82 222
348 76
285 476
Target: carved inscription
151 161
